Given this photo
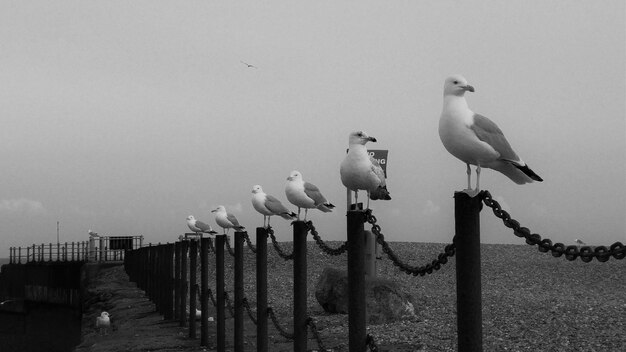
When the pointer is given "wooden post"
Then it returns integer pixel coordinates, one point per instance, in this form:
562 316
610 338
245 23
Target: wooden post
300 328
183 282
219 288
261 289
193 283
177 313
239 294
356 282
204 291
169 267
468 285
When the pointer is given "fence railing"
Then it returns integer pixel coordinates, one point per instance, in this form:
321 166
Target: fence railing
168 275
96 249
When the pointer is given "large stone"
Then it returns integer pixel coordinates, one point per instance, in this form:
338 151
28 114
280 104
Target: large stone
385 300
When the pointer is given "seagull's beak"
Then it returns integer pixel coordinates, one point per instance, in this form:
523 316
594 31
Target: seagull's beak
468 88
371 139
289 178
213 211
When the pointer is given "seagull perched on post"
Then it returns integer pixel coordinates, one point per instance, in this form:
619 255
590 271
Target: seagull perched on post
103 322
305 195
226 220
359 170
92 234
198 226
475 139
269 205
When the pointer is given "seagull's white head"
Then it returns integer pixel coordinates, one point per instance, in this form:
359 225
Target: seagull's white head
190 218
105 315
219 209
294 176
456 85
257 189
360 137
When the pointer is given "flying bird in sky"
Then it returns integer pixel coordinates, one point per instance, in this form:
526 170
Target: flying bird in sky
103 322
268 205
226 220
305 195
360 171
475 139
198 226
249 65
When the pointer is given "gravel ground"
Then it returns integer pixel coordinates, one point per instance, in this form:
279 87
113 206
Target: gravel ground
531 302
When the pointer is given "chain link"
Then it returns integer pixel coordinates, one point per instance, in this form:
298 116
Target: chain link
246 304
328 250
371 343
279 250
436 264
229 305
250 245
586 253
281 331
316 335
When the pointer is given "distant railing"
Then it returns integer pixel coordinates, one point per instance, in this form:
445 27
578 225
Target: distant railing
97 249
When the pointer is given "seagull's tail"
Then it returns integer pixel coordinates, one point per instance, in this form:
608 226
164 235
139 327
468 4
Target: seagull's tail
326 207
239 228
288 216
528 172
519 173
380 193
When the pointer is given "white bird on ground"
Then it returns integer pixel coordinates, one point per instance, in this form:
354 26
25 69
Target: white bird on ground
305 195
268 205
359 170
92 234
103 322
198 226
226 220
475 139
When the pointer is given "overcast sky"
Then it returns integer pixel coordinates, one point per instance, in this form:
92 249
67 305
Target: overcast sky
127 116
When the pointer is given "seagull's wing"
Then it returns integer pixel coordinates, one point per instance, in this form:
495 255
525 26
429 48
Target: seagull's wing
314 193
203 226
378 171
232 219
488 132
274 205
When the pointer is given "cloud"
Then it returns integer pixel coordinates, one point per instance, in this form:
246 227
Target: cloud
430 208
21 205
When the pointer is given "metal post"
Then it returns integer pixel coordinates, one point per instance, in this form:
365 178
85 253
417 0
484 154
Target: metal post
204 288
239 240
183 283
219 288
193 284
356 281
101 248
261 289
300 328
468 286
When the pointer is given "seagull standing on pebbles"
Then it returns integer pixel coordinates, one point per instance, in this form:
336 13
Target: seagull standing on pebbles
226 220
361 171
475 139
269 205
305 195
103 322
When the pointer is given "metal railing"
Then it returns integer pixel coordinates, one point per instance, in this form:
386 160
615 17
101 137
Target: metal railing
96 249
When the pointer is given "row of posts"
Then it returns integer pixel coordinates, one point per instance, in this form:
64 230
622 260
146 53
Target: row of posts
162 272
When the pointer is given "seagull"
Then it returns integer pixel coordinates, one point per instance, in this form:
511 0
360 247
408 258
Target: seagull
269 205
226 220
305 195
93 234
198 226
580 243
103 322
359 170
477 140
247 64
